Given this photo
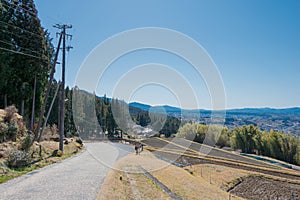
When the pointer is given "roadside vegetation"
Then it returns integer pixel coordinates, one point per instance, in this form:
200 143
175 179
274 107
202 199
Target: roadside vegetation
248 139
20 154
26 62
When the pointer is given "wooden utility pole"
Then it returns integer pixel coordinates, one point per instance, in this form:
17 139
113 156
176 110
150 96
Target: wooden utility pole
62 105
62 111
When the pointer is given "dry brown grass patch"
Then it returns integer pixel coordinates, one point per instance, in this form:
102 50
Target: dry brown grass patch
183 183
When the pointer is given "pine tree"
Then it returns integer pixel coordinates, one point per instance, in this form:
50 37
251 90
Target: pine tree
29 50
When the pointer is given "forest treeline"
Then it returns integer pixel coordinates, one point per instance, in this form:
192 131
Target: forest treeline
88 114
248 139
26 55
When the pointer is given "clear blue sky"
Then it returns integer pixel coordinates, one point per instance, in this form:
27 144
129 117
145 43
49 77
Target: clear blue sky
254 43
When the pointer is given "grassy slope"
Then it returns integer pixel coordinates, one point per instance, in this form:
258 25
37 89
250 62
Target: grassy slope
135 184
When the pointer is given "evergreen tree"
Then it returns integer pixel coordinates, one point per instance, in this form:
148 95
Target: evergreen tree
29 52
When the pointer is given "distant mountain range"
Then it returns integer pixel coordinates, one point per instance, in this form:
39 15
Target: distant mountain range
258 111
285 119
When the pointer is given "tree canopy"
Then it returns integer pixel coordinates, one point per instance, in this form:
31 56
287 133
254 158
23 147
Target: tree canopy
248 139
25 56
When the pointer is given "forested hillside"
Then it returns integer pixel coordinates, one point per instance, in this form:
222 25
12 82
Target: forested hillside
110 116
26 54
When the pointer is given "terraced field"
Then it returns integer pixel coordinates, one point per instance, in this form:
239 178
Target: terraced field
265 181
182 145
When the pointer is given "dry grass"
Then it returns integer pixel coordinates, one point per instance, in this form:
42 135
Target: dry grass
114 188
224 176
132 186
42 160
251 183
200 181
135 185
189 186
221 161
221 176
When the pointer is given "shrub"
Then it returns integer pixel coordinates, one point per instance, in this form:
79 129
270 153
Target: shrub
3 131
27 142
12 131
8 131
18 158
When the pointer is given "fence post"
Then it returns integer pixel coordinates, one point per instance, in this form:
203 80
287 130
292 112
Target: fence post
201 172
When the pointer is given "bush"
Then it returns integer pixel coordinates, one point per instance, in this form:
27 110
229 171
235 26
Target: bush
27 142
3 131
18 159
12 131
8 131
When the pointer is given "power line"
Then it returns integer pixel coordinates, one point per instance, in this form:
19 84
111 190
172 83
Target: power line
25 54
20 36
9 24
39 53
14 6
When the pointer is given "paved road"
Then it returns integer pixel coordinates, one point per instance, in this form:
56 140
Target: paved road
79 177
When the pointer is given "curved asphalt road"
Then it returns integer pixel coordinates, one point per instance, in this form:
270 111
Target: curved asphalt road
79 177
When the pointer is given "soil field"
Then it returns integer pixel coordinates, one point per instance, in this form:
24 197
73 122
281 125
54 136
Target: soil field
259 187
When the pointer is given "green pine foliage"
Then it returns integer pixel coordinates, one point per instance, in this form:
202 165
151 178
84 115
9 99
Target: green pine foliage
89 115
26 51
